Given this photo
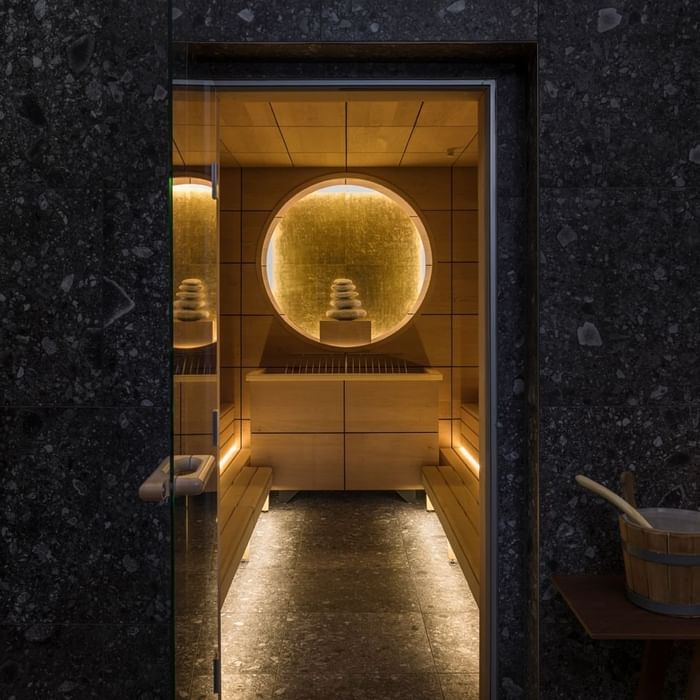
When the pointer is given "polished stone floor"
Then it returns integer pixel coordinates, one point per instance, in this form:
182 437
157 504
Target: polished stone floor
349 595
196 596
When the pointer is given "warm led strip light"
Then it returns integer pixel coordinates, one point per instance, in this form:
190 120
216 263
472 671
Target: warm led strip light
192 187
228 456
470 459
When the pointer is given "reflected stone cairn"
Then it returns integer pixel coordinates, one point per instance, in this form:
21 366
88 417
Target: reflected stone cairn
193 327
191 302
345 306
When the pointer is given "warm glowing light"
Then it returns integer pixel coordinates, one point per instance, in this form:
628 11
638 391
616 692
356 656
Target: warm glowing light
228 456
346 228
358 189
195 251
470 459
192 187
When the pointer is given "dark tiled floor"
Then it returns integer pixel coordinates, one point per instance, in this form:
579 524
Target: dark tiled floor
196 596
349 595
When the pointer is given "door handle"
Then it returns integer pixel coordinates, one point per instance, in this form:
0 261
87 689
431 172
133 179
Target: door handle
191 475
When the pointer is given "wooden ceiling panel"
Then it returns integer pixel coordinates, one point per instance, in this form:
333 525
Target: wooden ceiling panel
226 158
235 113
318 160
432 139
314 139
310 113
307 129
194 107
252 139
470 155
377 139
449 113
367 113
374 160
194 138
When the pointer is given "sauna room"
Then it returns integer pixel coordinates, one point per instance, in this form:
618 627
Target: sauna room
328 322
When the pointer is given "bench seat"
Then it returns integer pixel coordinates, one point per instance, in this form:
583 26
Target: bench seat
240 506
453 490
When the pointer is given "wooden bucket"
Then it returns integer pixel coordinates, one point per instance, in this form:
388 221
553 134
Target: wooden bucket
662 566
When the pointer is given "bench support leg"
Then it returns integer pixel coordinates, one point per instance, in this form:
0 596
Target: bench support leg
408 496
451 554
266 505
429 504
286 496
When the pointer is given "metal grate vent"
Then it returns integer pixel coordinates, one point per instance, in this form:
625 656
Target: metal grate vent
196 361
348 364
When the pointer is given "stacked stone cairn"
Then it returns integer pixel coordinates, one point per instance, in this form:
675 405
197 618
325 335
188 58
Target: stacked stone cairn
345 305
191 301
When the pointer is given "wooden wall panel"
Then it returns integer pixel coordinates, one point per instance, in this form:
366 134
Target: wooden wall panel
465 236
297 407
391 406
316 464
198 398
229 236
380 461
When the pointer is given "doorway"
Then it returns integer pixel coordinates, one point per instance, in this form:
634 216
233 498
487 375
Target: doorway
256 150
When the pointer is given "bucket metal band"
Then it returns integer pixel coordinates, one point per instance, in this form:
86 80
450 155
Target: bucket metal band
679 609
662 557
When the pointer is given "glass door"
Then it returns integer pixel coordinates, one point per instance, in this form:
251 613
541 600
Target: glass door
194 463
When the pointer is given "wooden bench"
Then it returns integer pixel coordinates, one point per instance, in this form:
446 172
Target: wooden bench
469 427
243 495
452 489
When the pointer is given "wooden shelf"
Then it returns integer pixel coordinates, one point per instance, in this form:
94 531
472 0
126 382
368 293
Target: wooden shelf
602 608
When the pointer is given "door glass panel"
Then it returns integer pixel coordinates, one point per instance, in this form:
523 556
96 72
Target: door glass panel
194 472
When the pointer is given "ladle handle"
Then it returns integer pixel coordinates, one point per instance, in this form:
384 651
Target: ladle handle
613 498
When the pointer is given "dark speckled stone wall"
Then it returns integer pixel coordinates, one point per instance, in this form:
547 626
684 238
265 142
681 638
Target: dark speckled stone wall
83 158
619 296
84 368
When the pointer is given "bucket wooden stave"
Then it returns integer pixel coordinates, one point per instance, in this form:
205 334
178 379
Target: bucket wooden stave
662 566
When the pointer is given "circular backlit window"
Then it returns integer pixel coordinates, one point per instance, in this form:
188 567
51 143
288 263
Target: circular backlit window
346 262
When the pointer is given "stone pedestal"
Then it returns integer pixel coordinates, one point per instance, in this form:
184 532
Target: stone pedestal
193 334
346 334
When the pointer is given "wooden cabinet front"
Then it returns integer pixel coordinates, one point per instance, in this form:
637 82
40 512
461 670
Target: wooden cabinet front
335 432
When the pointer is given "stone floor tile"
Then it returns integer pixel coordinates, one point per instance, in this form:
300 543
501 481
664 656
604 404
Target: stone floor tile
415 686
454 642
247 686
444 589
383 643
363 589
250 642
258 590
459 686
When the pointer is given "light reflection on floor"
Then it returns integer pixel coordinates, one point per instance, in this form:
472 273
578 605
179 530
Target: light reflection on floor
349 595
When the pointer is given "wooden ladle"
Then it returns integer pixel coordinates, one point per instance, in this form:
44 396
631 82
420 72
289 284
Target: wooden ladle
611 497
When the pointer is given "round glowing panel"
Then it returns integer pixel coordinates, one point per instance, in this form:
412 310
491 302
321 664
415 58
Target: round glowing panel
346 248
